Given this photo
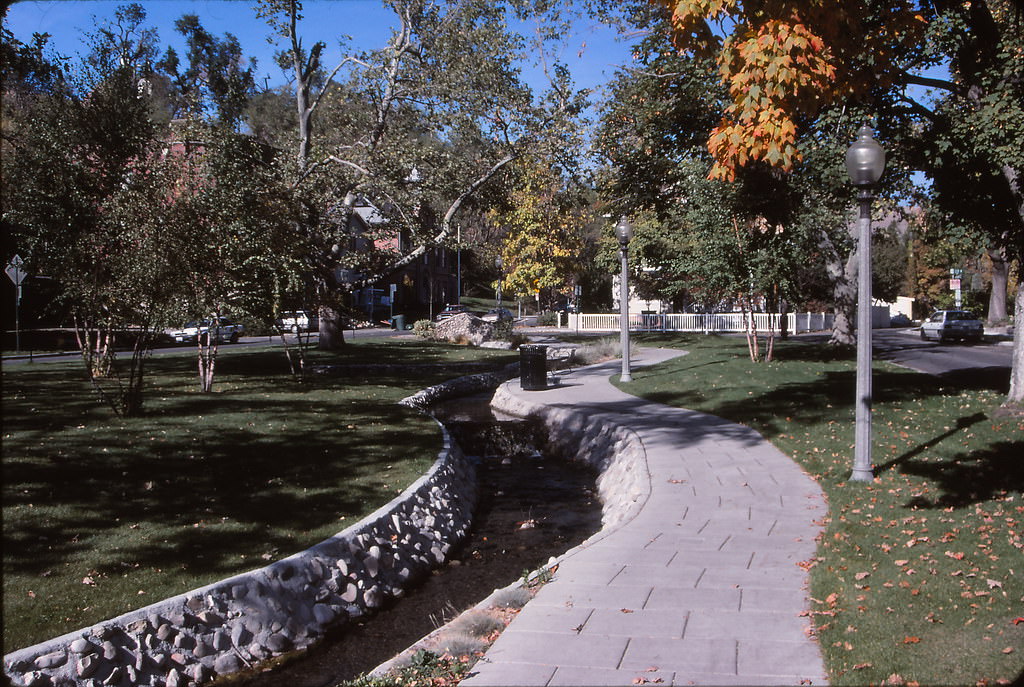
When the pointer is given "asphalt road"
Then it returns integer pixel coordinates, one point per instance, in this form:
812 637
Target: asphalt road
985 364
901 346
350 334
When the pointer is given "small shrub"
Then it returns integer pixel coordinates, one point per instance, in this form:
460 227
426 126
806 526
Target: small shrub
503 330
476 623
458 644
512 598
605 349
423 329
427 666
547 319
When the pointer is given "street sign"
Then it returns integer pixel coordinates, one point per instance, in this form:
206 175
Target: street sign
954 284
15 270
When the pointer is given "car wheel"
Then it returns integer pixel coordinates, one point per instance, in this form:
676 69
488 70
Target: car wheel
234 337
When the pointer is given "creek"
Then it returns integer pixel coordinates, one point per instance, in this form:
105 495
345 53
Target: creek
531 507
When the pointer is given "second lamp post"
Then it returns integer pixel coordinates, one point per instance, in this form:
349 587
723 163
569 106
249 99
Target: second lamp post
624 232
865 162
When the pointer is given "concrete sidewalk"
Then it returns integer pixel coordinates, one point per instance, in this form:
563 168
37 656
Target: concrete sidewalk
701 586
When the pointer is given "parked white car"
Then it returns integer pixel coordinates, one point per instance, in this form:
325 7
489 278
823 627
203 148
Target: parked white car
296 321
944 325
223 329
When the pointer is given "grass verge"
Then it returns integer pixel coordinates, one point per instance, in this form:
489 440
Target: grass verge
918 577
102 515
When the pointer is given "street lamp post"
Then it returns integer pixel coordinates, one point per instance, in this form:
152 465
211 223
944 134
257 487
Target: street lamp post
498 263
624 232
865 162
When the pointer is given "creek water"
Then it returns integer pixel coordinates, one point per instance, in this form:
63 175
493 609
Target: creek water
531 507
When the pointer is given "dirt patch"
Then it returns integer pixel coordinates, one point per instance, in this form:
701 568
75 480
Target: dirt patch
531 508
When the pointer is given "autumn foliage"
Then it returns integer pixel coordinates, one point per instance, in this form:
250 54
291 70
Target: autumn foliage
783 60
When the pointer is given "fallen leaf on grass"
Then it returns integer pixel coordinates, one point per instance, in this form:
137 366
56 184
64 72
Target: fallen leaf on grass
861 575
1008 650
1018 621
862 666
911 640
88 580
625 610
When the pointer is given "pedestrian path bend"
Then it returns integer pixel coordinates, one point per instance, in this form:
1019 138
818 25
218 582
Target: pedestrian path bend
701 586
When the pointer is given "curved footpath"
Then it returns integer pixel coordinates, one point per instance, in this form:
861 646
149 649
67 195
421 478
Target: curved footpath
699 585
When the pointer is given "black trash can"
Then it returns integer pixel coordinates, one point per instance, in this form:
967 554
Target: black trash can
533 367
398 322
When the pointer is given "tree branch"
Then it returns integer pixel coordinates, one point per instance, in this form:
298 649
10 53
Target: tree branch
928 82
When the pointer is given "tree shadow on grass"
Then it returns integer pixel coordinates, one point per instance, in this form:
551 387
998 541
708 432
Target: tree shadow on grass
972 476
961 424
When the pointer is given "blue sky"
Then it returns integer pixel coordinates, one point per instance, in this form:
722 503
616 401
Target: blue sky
591 51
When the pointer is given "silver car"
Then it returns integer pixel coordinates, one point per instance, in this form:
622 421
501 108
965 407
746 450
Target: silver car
945 325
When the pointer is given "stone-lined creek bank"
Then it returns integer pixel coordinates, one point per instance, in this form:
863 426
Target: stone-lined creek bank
531 507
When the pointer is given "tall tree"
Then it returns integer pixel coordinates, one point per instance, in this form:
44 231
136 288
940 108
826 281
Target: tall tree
217 82
73 170
445 83
229 214
654 135
543 234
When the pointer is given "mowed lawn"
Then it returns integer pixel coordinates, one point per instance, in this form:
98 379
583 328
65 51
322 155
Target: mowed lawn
919 576
102 515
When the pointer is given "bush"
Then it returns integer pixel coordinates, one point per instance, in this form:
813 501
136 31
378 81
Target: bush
547 319
605 348
502 330
423 329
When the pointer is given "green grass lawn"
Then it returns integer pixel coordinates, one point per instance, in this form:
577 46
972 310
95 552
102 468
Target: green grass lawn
919 574
102 515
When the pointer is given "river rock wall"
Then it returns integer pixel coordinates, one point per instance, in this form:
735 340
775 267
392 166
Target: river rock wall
236 623
614 451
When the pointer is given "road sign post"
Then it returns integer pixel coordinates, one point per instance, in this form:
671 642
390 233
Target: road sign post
16 273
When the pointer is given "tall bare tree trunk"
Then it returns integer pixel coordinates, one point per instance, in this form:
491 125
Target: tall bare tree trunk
1015 398
844 294
1000 282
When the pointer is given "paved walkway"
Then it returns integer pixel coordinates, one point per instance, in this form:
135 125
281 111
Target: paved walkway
702 586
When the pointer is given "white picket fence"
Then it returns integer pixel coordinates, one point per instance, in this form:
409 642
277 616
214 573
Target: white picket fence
693 322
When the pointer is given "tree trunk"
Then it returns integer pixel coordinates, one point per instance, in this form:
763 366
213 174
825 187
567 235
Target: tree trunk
1000 281
1015 399
332 330
207 356
844 293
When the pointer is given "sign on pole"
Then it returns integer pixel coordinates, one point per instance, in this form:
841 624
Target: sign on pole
15 271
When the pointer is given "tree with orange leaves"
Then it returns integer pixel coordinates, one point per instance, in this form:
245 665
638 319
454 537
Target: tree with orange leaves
783 61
